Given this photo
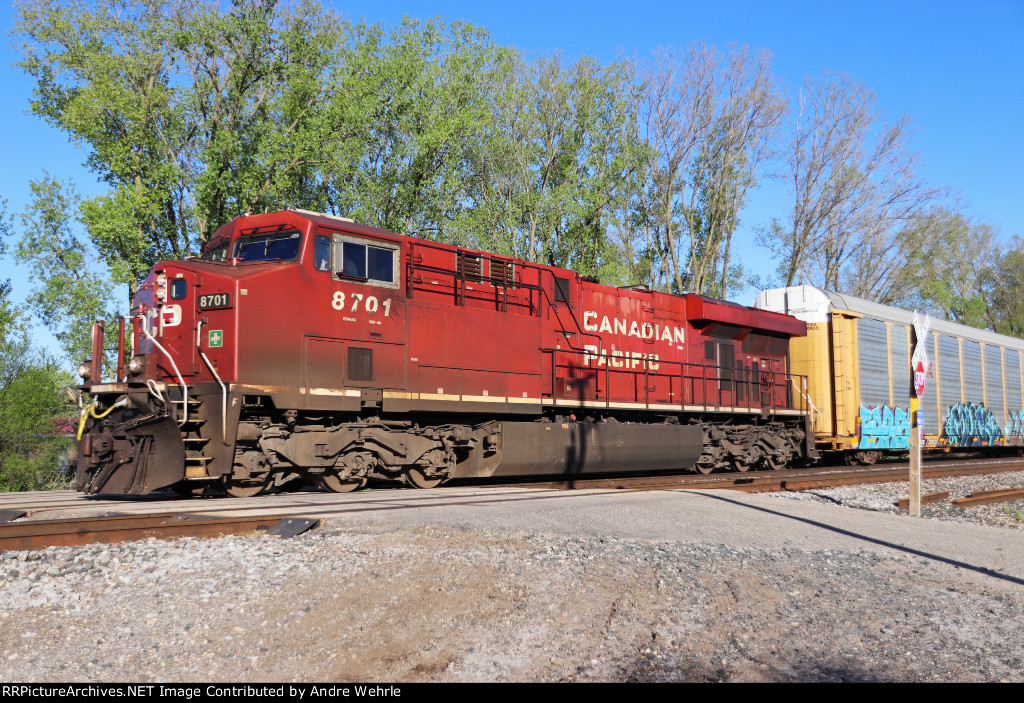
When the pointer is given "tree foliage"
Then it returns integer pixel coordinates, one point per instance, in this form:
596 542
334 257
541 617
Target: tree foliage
853 179
31 406
195 113
551 165
71 288
949 260
1003 283
708 119
190 115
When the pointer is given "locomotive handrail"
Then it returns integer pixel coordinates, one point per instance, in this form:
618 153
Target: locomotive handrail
120 349
97 350
184 387
223 388
412 265
572 314
460 276
689 375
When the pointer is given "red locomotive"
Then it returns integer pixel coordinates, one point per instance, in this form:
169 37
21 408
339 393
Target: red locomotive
305 345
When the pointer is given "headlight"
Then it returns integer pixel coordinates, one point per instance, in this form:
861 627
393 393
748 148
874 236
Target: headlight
137 365
85 369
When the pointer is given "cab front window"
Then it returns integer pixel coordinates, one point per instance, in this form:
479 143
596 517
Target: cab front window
217 251
281 246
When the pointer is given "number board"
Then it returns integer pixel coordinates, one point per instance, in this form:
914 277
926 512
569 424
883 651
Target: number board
213 300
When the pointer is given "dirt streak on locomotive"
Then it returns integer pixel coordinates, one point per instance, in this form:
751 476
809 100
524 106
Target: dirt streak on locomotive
301 345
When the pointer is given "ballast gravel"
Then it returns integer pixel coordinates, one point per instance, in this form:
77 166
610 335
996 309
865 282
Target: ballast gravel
448 603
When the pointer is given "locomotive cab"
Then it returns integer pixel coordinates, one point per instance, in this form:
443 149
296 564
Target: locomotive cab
200 327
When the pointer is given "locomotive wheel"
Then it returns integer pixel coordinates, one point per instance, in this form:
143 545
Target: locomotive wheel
777 463
243 489
850 459
335 484
704 468
417 479
741 466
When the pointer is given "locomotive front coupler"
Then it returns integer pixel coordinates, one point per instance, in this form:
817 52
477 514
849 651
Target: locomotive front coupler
144 398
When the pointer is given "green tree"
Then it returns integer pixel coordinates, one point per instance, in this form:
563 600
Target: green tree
554 162
949 265
71 288
104 76
1004 290
415 97
194 115
263 92
709 119
31 405
190 115
854 184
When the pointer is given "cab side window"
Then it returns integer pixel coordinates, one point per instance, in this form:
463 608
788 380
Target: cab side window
322 253
374 263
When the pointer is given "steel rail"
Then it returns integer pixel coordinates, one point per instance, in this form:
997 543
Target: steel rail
926 498
68 532
995 496
325 505
757 481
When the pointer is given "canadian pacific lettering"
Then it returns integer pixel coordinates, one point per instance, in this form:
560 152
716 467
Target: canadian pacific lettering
631 328
618 359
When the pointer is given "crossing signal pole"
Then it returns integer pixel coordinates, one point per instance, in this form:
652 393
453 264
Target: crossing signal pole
918 376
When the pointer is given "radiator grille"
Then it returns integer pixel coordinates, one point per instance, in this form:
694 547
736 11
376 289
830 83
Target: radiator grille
470 266
360 364
502 273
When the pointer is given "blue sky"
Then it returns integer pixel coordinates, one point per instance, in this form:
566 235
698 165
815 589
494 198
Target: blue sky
956 68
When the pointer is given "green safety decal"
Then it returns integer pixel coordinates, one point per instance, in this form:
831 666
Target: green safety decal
216 338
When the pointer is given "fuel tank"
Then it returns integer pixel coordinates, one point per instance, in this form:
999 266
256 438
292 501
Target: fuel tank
571 448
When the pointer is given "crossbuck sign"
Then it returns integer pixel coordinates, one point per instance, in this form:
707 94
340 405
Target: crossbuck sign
919 361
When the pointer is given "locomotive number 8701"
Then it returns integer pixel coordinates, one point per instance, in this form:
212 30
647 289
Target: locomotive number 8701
213 300
306 345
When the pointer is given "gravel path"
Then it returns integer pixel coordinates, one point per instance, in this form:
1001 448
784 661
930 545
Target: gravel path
460 603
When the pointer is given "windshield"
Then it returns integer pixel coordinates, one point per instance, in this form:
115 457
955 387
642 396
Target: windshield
283 246
218 252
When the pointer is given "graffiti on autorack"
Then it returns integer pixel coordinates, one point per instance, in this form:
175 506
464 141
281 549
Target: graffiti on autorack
971 425
884 428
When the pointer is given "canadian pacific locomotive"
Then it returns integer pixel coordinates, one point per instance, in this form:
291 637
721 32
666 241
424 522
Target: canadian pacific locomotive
301 345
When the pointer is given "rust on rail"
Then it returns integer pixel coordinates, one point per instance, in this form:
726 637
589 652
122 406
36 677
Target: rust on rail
38 534
938 496
993 496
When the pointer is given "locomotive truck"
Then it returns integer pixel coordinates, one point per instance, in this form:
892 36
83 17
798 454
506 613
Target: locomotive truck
303 345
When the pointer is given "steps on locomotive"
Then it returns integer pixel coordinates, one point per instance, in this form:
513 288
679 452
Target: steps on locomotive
192 430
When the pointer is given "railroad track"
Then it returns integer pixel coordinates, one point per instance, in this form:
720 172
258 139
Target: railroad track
783 480
38 534
289 513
